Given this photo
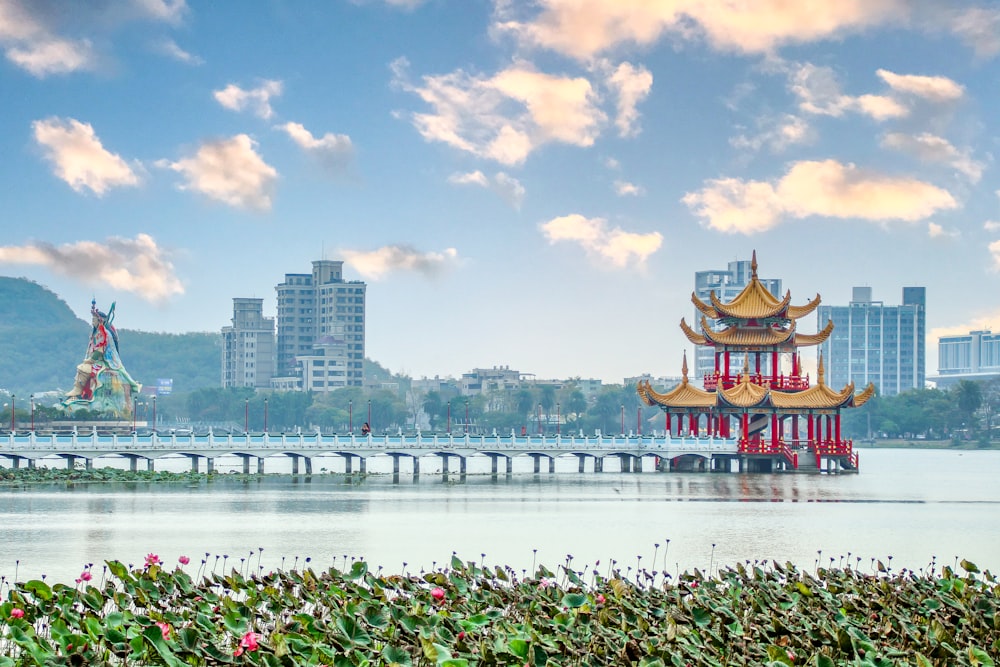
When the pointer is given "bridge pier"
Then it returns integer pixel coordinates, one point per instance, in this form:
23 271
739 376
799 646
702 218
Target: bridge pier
416 467
538 462
347 464
461 465
625 462
583 461
246 465
637 464
209 465
149 465
295 464
194 464
363 465
260 465
70 462
598 464
494 462
444 464
510 465
395 466
552 465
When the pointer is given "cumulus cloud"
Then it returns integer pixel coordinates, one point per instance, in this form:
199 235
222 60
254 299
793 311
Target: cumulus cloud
932 148
819 93
992 225
631 85
230 171
811 188
626 189
334 151
936 231
78 157
169 48
775 134
933 88
506 116
979 27
609 245
33 34
136 265
994 249
375 264
257 100
507 187
585 29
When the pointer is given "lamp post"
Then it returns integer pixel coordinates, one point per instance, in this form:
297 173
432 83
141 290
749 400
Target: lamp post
558 420
539 419
154 413
246 416
133 414
12 413
350 416
623 419
265 414
369 415
638 420
466 416
32 399
449 417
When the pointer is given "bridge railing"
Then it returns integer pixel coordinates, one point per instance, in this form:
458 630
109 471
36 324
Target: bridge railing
28 441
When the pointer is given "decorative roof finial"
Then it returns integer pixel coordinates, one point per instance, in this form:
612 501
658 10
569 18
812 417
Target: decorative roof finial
753 265
819 368
746 369
684 369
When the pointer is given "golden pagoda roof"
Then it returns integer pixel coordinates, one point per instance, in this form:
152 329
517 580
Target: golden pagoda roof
754 336
683 395
754 302
822 396
744 394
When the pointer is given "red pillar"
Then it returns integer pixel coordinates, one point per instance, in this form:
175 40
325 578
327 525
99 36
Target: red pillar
795 364
726 360
774 366
756 362
746 425
810 430
837 422
795 427
774 429
829 428
693 423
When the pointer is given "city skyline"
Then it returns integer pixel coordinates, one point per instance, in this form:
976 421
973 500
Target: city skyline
532 184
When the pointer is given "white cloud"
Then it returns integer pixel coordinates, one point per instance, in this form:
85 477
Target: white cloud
136 265
258 100
626 189
506 116
825 189
994 249
79 158
507 187
612 163
775 134
931 148
936 231
585 29
819 93
933 88
631 84
375 264
230 171
978 27
613 246
169 48
333 150
992 225
32 33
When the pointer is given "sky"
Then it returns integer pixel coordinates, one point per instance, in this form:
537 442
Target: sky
529 184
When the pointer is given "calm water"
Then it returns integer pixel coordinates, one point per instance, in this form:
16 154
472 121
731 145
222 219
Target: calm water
912 505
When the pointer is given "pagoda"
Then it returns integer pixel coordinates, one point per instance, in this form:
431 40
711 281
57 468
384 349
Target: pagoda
749 398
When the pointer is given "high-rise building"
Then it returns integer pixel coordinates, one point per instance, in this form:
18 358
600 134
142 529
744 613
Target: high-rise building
321 305
873 342
971 356
727 284
248 346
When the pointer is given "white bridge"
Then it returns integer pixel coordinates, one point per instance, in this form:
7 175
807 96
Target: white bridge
666 452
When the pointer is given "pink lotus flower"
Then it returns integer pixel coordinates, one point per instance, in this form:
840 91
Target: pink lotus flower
16 613
599 599
437 594
164 628
249 641
152 559
86 575
183 560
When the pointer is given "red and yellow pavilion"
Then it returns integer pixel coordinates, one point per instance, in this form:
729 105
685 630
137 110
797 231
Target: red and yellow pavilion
765 409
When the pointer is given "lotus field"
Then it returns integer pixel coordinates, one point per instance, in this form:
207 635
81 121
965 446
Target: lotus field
471 613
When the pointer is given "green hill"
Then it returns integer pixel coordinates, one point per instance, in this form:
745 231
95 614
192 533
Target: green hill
42 341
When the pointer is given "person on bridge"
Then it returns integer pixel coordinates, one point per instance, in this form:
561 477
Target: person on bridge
366 429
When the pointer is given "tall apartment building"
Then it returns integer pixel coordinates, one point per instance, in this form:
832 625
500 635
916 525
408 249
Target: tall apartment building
873 342
727 284
248 346
321 305
971 356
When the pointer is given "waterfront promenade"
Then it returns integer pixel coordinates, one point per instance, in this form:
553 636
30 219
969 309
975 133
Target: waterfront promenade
665 453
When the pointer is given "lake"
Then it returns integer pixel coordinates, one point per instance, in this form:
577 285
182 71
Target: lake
910 505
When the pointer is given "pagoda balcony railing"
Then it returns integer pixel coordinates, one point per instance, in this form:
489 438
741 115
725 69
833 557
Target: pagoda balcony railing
763 446
835 448
780 382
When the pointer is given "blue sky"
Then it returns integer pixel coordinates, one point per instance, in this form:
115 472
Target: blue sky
523 183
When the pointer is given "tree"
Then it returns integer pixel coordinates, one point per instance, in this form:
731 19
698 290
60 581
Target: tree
969 396
433 406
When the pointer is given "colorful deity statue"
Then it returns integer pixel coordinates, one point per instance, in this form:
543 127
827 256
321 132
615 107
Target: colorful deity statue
102 383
